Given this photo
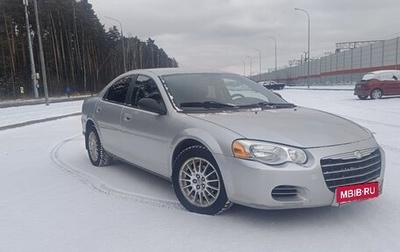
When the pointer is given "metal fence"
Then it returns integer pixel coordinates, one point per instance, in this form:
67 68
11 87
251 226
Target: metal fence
346 67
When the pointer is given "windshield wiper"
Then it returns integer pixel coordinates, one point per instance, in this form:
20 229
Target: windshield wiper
207 104
268 105
277 104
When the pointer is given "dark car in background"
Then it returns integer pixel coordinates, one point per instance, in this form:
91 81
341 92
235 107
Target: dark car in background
377 84
272 85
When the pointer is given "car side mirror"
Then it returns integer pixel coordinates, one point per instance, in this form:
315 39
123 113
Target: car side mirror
152 106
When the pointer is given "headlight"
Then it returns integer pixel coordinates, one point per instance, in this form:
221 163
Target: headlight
269 153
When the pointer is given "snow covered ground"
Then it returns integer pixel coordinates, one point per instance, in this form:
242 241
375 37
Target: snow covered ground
52 199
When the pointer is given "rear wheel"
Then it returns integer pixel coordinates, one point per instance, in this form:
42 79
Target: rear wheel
376 94
198 183
97 155
362 97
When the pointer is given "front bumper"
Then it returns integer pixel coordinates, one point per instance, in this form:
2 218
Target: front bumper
362 91
257 185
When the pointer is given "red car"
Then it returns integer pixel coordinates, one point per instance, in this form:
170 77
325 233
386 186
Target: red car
377 84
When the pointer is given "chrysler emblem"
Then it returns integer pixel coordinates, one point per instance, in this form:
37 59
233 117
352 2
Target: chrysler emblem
358 154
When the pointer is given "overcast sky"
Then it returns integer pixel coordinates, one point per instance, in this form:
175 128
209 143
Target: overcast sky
226 34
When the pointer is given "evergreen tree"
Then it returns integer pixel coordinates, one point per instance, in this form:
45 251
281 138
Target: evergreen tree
79 52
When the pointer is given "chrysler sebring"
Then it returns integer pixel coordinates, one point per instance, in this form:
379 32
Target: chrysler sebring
221 138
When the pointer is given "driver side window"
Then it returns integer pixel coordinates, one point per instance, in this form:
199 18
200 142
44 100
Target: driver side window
145 87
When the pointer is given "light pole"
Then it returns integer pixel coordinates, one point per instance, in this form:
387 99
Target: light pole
276 57
41 54
122 42
244 68
308 51
251 65
259 61
28 34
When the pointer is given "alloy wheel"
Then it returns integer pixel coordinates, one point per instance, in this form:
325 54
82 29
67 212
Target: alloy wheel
199 182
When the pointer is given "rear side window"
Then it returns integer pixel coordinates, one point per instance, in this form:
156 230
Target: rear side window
118 91
386 76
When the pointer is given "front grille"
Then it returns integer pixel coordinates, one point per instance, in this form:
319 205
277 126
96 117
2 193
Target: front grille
346 169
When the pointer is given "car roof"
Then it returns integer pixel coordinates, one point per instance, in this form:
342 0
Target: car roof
174 70
385 71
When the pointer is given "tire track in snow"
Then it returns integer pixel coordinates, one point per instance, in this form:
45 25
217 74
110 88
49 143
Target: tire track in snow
22 124
101 187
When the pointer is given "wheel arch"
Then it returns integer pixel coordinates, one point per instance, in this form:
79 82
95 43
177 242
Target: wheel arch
220 202
183 145
379 88
192 137
89 123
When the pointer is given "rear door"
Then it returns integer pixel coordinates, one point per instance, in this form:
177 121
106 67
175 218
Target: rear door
396 84
108 114
391 84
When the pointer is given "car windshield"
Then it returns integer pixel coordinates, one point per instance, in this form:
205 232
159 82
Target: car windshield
219 91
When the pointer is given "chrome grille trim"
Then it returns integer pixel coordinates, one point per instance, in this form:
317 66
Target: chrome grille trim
350 155
347 169
284 191
359 160
355 169
355 176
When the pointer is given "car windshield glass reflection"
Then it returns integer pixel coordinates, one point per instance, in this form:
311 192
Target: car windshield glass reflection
219 91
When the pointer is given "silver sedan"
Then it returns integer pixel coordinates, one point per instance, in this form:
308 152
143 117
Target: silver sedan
221 138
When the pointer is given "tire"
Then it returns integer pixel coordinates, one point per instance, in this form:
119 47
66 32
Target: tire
97 155
376 94
198 183
362 97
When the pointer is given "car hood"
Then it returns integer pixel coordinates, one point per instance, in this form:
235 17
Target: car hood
301 127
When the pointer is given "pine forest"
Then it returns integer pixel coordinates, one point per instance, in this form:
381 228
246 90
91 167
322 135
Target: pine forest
79 52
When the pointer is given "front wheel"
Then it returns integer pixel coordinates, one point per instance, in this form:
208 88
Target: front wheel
97 155
198 183
376 94
362 97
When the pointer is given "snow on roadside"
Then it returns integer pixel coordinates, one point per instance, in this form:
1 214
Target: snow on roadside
58 207
22 114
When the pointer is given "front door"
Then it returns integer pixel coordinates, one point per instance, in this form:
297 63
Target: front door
145 134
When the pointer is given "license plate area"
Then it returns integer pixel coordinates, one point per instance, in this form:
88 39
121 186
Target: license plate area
349 193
